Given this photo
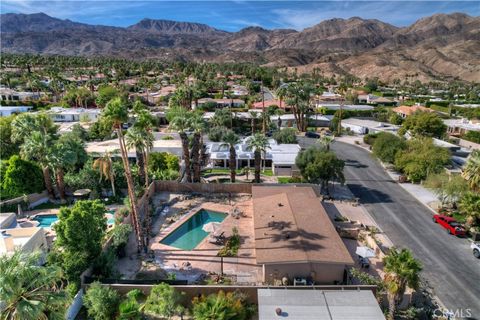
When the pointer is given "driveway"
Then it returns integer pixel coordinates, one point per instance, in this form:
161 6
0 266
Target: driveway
448 263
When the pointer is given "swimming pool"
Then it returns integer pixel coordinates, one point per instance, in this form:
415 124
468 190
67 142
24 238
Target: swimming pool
46 220
190 233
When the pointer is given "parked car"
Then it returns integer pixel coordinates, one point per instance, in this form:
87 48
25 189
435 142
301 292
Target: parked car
476 249
450 224
310 134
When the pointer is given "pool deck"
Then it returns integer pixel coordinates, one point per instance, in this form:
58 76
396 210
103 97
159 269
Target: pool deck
203 258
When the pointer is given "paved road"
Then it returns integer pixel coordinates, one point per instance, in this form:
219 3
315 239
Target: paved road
449 265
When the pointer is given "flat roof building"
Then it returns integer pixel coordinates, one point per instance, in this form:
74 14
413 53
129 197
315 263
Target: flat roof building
314 304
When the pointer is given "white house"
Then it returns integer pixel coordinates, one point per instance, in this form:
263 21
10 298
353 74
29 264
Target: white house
279 157
363 126
222 103
60 114
7 111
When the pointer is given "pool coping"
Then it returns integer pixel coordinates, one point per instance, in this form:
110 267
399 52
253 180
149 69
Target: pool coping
174 226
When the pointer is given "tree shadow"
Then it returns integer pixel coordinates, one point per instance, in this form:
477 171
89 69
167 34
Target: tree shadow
354 163
368 195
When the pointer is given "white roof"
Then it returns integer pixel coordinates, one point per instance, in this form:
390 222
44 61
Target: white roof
313 304
463 123
159 145
370 124
16 108
346 106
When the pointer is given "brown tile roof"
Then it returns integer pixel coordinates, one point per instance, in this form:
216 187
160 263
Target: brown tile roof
410 110
291 226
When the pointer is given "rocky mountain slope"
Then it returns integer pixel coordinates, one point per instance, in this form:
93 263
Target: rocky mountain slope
439 46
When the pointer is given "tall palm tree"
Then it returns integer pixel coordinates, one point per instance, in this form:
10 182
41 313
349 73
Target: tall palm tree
116 112
29 291
471 171
181 123
401 270
104 165
253 117
38 147
259 144
197 125
138 139
470 207
230 139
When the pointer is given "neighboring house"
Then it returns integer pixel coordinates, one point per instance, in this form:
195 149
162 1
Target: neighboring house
60 114
159 145
8 111
15 237
365 126
268 103
315 120
405 111
332 304
458 127
279 157
7 94
28 239
294 236
348 107
329 97
238 90
222 103
373 99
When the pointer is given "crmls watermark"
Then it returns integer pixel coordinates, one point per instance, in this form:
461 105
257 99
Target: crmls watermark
452 313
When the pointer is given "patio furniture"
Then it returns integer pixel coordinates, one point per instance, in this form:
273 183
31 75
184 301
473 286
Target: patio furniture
299 282
364 263
217 239
211 227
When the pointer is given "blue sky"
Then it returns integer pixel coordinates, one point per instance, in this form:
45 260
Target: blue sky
235 15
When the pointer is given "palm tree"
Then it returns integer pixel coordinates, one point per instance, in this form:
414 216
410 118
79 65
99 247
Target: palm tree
116 112
259 144
470 206
181 123
38 147
253 116
230 139
104 165
471 171
402 270
141 141
29 291
197 125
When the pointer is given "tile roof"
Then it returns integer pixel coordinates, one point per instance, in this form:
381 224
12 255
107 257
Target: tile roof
291 226
410 110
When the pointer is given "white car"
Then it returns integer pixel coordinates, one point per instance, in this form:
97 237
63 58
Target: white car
476 249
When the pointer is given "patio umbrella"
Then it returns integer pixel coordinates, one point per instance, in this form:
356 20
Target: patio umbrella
365 252
211 227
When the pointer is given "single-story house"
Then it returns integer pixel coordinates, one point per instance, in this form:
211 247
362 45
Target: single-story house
405 111
365 126
295 238
458 127
173 146
315 120
8 111
27 239
329 97
7 94
222 103
373 99
314 304
279 157
60 114
274 102
348 107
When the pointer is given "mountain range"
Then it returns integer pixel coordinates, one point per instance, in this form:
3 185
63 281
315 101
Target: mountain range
442 46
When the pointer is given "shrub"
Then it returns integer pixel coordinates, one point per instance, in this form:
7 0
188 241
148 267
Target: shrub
473 136
163 161
387 145
287 135
215 133
231 247
227 306
20 177
421 158
120 236
164 301
129 309
104 265
427 124
101 302
370 138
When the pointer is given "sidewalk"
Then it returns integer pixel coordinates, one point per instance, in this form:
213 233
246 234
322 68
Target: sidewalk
422 194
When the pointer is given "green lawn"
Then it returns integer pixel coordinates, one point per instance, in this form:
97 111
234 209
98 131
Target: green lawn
267 172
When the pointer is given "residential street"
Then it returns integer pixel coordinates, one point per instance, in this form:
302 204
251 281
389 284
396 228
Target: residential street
449 265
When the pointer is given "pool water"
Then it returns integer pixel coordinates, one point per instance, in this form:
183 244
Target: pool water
46 220
188 235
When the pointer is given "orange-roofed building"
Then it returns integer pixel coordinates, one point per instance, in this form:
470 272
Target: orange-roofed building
275 102
405 111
